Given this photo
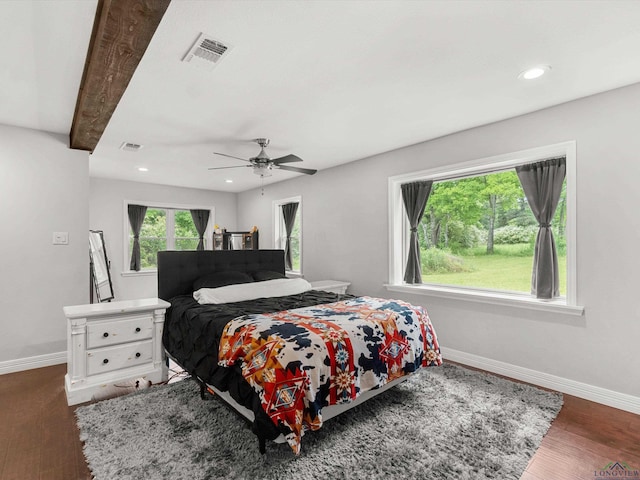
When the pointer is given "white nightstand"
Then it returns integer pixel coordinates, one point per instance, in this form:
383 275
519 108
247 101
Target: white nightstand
335 286
111 343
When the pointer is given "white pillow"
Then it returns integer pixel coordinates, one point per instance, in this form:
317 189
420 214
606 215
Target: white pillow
250 291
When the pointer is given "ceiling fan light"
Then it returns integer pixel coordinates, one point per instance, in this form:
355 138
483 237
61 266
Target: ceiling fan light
262 170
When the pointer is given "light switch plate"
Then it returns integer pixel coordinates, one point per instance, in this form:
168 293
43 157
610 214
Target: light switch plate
61 238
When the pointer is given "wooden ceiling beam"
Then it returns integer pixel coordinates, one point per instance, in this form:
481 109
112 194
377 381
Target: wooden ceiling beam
122 30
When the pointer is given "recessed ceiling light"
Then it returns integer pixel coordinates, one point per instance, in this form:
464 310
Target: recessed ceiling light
534 72
143 169
228 181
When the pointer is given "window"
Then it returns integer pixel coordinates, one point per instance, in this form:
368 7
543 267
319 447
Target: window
477 233
164 228
280 232
480 232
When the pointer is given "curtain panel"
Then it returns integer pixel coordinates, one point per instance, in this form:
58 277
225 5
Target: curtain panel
200 220
414 197
542 185
289 211
136 218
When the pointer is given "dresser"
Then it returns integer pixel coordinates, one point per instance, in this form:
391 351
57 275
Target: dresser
113 343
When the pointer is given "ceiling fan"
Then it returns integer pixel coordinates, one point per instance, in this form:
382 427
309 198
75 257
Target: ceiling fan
262 164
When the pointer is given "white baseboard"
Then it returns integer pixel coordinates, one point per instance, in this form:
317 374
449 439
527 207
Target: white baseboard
20 364
611 398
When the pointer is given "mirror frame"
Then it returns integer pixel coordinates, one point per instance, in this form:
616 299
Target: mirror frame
94 280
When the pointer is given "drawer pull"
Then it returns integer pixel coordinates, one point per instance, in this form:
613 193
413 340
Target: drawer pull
137 329
106 360
137 354
105 334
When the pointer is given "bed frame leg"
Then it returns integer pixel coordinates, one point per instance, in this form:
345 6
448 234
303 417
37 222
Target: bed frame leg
263 444
203 389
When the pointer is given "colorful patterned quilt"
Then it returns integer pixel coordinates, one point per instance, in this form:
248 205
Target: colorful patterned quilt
301 360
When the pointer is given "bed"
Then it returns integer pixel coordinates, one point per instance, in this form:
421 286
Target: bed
284 356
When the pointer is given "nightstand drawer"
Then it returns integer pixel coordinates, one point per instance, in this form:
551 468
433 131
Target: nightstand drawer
131 329
107 359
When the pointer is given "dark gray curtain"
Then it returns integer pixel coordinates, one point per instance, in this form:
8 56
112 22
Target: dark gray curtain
289 211
542 185
136 218
414 196
200 220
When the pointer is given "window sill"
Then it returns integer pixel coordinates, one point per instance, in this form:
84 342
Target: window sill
141 273
290 274
493 298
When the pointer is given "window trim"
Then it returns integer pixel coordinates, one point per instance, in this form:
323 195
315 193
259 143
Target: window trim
277 233
126 271
399 226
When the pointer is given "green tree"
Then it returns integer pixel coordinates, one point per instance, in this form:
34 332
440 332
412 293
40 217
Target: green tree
186 235
451 201
487 201
153 234
152 237
501 191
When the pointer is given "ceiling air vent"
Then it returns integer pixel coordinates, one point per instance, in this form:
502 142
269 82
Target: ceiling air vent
206 52
130 147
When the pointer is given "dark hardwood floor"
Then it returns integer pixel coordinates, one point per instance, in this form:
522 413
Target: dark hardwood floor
39 438
38 434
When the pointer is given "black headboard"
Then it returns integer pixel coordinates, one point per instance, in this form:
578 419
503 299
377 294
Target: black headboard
178 270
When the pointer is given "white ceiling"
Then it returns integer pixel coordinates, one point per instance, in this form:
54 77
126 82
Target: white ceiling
329 81
42 54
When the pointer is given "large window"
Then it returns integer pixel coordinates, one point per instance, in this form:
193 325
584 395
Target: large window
164 228
477 234
295 237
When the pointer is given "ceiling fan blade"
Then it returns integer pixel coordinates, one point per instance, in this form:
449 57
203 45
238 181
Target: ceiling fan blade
307 171
235 166
286 159
231 156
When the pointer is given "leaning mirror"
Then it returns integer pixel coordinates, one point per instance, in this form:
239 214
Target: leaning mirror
100 277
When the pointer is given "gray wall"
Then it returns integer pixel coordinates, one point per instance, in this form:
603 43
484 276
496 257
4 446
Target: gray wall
345 237
106 200
44 187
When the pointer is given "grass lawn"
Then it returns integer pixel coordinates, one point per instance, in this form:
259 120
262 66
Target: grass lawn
498 272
